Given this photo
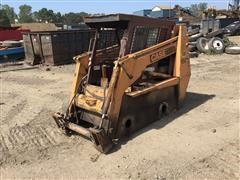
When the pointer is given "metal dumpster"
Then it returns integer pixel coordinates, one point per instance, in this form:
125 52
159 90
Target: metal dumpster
55 47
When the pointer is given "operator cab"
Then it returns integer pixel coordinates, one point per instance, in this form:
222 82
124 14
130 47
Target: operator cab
118 35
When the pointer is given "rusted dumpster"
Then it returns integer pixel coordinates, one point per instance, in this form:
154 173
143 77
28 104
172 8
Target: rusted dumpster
55 47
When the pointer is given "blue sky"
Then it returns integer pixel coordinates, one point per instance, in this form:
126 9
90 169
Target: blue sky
105 6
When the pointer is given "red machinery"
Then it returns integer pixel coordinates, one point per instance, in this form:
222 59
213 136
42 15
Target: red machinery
11 33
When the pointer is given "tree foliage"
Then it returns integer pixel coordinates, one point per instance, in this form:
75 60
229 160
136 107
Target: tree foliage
73 18
10 13
25 14
46 15
4 20
43 15
58 17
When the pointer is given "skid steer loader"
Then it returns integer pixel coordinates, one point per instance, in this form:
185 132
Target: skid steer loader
141 75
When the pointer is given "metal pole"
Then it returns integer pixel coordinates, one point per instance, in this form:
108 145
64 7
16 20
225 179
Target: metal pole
92 57
80 130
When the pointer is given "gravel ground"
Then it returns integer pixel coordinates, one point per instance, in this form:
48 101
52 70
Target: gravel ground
199 141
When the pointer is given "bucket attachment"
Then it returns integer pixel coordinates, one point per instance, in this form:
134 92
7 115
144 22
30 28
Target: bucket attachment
101 141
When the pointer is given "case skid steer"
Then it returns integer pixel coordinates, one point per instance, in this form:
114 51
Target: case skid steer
140 75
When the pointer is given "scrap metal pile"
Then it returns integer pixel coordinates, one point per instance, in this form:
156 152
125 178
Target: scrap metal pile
11 44
211 39
11 51
212 36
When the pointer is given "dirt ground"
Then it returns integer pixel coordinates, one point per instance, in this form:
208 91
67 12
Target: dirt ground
200 140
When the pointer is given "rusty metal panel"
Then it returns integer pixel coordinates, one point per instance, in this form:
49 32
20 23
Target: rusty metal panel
131 117
47 49
31 48
121 21
28 48
56 47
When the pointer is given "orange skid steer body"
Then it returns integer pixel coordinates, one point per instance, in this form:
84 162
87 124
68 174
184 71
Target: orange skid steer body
137 69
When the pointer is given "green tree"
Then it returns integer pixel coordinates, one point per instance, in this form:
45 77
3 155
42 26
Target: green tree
73 18
4 20
10 13
45 15
58 17
25 14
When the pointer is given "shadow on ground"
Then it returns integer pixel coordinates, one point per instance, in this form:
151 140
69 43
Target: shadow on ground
191 101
